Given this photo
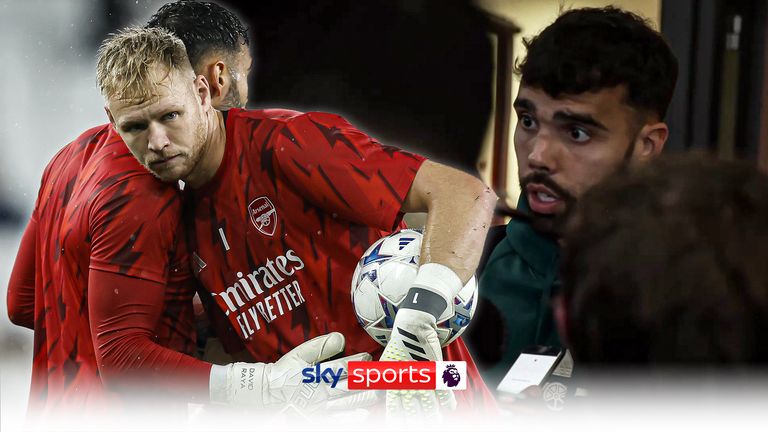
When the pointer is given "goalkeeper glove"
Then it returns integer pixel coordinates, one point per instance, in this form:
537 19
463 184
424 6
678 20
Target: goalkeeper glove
414 336
280 384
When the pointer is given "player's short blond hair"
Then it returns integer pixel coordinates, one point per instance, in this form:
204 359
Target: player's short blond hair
127 60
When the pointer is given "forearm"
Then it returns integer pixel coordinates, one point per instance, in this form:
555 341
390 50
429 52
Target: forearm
123 314
133 360
459 209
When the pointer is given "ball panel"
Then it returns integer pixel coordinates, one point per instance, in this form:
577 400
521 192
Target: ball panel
468 290
365 300
395 278
464 311
355 281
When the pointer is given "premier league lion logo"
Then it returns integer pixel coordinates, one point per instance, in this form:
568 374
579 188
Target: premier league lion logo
451 376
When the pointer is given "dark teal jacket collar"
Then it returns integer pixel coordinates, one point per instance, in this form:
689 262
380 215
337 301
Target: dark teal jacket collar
539 251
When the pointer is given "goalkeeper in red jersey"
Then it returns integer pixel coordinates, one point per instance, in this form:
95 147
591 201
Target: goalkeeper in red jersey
102 274
282 204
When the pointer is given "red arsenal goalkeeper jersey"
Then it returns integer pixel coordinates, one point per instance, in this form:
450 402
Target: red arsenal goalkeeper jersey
280 228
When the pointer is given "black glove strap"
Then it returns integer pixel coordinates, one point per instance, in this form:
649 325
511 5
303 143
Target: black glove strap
425 301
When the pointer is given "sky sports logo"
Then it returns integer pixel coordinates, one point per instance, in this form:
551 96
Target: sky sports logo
389 375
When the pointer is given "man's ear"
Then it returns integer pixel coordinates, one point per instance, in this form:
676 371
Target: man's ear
203 91
217 79
650 141
109 115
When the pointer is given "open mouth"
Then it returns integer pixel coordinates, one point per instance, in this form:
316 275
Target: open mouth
542 199
545 197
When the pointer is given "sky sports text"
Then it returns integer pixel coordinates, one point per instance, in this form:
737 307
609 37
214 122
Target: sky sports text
392 375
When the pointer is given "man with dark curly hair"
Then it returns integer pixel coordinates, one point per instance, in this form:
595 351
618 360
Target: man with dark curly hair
595 87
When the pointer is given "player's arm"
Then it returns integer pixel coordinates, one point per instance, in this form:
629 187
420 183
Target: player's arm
133 226
347 173
124 311
344 171
21 286
459 209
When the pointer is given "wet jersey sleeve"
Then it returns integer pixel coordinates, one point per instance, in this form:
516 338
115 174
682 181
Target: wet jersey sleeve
343 170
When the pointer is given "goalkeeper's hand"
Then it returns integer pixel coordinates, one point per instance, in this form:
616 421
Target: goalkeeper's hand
414 337
279 384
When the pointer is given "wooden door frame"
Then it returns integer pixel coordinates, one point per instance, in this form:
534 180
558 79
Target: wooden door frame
505 32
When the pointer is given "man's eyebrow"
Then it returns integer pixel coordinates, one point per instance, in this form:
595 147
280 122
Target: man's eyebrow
127 123
524 104
585 119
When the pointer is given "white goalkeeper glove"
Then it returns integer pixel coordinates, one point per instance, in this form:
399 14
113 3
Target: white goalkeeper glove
279 384
414 337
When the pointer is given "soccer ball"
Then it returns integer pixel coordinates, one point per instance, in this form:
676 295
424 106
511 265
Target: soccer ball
382 279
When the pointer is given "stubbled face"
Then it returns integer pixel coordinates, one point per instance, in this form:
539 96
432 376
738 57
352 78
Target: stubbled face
167 133
566 145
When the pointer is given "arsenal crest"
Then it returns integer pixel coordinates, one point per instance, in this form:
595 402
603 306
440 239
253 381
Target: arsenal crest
263 215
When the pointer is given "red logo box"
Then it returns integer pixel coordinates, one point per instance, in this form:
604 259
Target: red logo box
413 375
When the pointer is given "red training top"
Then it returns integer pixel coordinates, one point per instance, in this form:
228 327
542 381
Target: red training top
280 228
102 277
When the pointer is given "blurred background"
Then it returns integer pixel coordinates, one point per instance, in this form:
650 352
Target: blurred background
430 76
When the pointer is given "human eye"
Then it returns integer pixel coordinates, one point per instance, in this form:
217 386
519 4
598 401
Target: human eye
579 134
526 121
171 115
